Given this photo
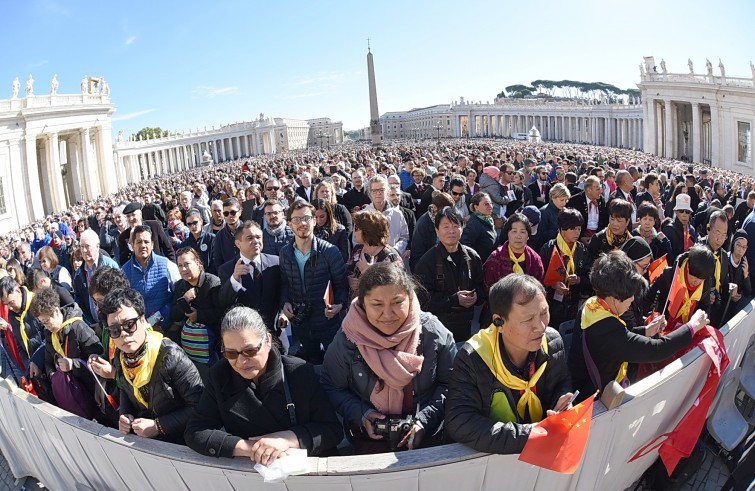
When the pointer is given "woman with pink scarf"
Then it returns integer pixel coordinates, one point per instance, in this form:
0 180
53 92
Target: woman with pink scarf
390 360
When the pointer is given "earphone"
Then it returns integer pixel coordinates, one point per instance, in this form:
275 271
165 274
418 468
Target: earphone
498 322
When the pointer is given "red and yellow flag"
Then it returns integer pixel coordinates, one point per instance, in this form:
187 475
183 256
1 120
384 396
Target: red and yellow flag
558 442
681 304
656 268
556 271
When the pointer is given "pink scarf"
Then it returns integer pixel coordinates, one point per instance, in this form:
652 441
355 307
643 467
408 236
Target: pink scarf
392 358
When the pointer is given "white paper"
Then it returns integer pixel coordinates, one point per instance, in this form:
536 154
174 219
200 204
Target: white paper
293 464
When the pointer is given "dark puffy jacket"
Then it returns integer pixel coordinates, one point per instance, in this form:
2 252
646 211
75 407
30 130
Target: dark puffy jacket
325 264
244 409
81 286
675 233
423 239
470 393
223 247
480 236
442 297
203 246
172 392
349 381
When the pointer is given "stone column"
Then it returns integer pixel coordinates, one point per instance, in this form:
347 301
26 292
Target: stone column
472 126
669 143
92 188
74 166
54 177
696 127
715 137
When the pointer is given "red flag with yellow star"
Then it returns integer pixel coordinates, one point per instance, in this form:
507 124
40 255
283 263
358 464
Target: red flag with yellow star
558 442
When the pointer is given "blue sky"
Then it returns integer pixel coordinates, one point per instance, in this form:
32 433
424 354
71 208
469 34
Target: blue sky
182 65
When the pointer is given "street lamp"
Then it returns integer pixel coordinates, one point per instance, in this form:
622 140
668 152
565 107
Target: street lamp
438 127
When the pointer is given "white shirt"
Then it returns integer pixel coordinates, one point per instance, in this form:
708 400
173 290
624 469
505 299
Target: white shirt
258 261
593 215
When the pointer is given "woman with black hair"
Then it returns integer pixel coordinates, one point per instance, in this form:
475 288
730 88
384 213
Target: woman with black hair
328 229
602 346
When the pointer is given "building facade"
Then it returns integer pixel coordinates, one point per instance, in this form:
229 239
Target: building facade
618 125
324 132
702 117
55 150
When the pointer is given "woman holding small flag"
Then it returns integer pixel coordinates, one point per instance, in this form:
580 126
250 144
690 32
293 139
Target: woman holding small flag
567 267
602 345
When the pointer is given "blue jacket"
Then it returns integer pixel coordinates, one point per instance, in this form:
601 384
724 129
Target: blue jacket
272 244
406 179
81 287
154 283
325 264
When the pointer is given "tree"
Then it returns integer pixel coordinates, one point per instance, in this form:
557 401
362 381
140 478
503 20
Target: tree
148 133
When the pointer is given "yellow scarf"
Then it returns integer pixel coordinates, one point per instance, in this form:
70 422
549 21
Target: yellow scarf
611 238
143 373
485 343
595 311
684 311
56 336
515 261
717 274
565 250
21 324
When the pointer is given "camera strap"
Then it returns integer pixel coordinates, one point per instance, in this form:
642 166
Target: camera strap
289 402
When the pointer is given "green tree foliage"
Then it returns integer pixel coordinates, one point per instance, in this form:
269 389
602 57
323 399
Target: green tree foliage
148 133
570 89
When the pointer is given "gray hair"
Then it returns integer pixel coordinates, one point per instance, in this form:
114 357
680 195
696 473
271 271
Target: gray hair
241 317
379 178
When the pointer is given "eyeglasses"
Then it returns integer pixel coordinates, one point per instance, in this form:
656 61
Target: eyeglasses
643 267
304 219
272 188
684 212
378 191
230 213
457 194
507 173
232 355
129 327
191 224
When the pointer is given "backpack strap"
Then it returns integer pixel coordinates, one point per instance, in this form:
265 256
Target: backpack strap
440 277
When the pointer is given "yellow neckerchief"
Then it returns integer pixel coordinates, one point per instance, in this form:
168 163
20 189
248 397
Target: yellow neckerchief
21 324
684 311
717 274
485 343
143 373
610 237
516 260
56 336
565 250
596 310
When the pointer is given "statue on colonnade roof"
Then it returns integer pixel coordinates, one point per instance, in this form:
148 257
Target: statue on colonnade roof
29 86
689 64
17 87
54 85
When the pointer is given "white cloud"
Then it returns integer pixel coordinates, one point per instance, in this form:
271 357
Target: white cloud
318 78
135 114
302 96
209 91
130 40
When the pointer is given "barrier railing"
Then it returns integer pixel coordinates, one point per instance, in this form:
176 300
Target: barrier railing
66 452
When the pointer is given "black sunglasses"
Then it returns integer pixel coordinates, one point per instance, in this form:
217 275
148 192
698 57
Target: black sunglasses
273 188
457 194
129 327
231 355
686 212
191 224
230 213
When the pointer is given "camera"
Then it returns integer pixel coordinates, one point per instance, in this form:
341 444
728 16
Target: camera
393 429
302 311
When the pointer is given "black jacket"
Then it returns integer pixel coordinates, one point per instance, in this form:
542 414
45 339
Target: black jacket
34 332
203 246
471 390
171 394
349 381
354 197
480 236
423 239
610 344
341 239
224 247
206 304
675 233
442 297
579 203
162 244
262 292
233 408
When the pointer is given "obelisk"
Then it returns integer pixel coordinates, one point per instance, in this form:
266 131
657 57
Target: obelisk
374 115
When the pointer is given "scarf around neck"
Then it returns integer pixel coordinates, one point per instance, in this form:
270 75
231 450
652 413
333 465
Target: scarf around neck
566 251
143 371
485 218
392 358
594 311
56 337
516 261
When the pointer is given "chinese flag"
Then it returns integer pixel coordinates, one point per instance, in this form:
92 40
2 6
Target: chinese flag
656 268
555 269
558 442
675 296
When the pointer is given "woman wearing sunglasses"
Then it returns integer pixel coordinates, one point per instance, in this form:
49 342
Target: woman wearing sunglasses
159 385
259 403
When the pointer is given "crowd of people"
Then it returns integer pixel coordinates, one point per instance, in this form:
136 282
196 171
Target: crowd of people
400 297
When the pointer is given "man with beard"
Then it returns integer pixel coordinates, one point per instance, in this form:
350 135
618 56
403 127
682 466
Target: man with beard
356 198
275 233
162 244
223 247
272 194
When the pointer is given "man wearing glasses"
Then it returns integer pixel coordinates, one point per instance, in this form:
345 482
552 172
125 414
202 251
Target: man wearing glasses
399 230
275 233
224 246
159 384
314 288
24 353
541 187
460 203
272 193
680 232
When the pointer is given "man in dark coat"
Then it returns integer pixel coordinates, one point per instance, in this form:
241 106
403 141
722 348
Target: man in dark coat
592 207
163 245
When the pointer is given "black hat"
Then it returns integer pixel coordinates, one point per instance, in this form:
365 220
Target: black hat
637 249
739 234
132 207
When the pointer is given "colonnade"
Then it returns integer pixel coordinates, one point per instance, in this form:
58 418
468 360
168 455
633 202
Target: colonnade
677 129
614 131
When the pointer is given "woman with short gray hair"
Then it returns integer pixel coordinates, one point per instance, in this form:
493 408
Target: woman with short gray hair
258 403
